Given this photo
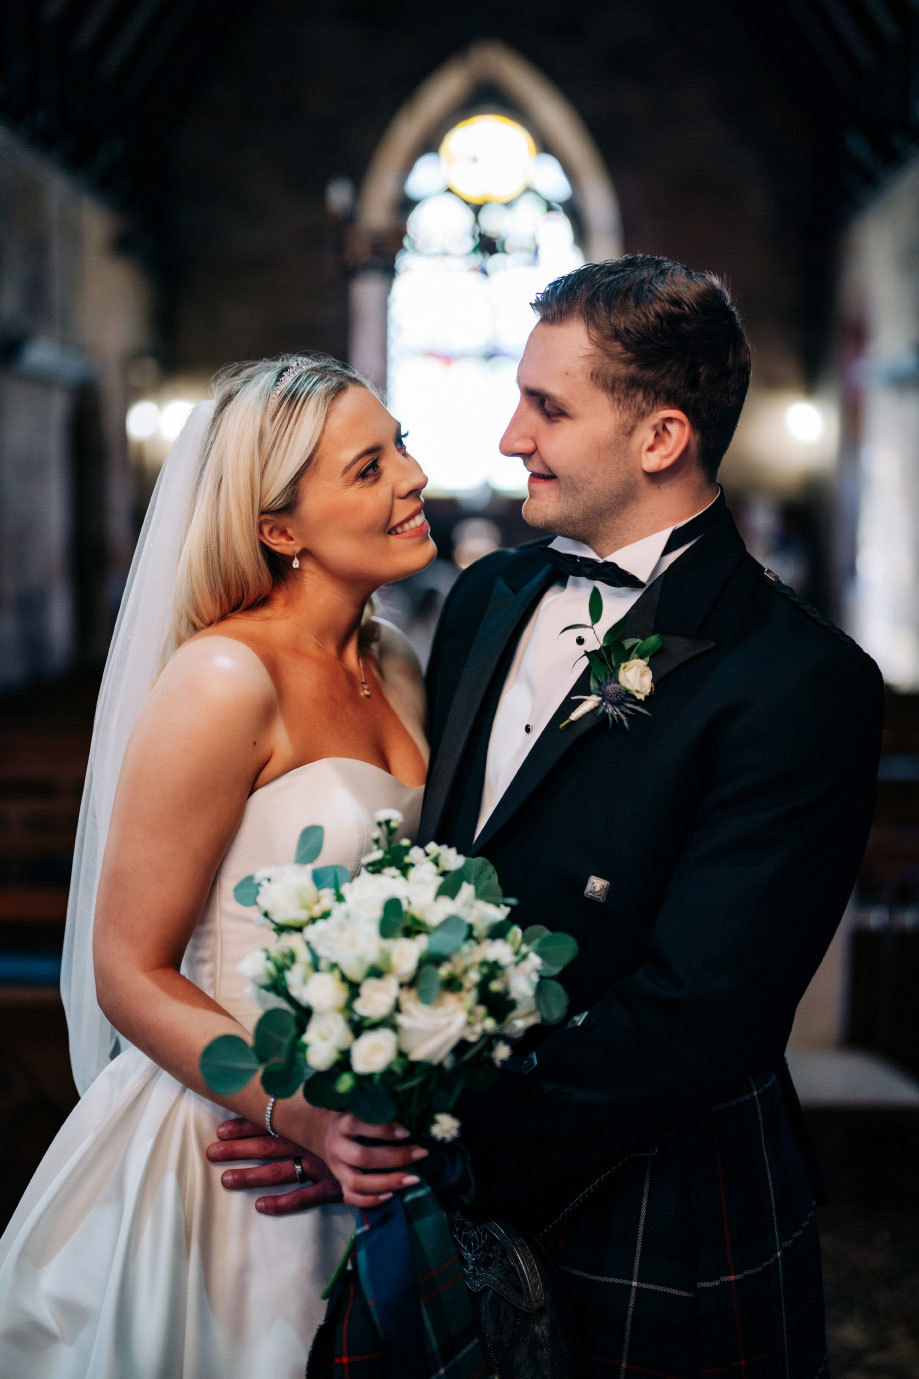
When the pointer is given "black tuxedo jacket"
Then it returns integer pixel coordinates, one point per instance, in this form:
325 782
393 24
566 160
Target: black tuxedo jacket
730 825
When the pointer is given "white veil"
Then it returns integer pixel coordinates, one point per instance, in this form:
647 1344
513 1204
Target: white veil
134 659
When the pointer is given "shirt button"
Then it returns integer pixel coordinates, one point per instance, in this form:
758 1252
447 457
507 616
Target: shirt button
580 640
528 727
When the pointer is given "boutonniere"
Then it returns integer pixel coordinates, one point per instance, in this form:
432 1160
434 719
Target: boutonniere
620 677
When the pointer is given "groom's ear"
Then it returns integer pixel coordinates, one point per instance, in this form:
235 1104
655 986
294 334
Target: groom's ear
274 531
665 436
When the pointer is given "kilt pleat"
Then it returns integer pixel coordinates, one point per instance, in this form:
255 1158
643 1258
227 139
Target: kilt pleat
701 1257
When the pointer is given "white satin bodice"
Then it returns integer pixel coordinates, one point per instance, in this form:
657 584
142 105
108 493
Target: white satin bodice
340 793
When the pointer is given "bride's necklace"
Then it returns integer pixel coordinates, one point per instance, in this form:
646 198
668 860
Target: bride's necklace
365 688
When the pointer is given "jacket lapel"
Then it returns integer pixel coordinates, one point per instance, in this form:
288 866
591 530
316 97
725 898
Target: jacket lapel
681 597
507 611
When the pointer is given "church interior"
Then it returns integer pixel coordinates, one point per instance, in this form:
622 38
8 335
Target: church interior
182 186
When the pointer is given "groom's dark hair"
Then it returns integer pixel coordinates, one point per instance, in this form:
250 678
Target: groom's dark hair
663 336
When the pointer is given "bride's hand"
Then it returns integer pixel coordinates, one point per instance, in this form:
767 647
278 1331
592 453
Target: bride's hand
241 1139
369 1173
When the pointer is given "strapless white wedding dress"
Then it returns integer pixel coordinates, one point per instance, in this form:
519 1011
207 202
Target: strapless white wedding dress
126 1259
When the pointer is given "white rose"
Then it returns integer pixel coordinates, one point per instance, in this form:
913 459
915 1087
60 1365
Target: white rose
403 957
257 967
287 893
377 997
327 1028
637 677
325 991
321 1056
427 1033
296 980
351 945
373 1051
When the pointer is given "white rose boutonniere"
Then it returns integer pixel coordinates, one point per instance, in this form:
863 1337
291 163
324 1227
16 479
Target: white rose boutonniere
620 676
635 675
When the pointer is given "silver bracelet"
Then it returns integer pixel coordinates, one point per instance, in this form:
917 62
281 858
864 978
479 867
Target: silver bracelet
268 1110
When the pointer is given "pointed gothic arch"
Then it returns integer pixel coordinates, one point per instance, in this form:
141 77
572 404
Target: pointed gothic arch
421 120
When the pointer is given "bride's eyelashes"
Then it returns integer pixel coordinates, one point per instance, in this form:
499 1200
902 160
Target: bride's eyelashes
371 470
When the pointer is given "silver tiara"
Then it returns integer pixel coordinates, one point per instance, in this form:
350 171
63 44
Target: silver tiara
290 372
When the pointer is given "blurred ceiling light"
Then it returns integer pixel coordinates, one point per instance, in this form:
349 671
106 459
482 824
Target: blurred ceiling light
549 179
174 416
488 158
804 421
143 420
426 178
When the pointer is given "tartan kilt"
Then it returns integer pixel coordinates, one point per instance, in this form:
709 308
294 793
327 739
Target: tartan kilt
701 1256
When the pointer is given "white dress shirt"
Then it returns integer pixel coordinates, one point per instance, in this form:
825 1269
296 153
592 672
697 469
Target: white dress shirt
546 666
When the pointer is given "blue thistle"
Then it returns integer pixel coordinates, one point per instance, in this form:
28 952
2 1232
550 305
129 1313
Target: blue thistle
617 703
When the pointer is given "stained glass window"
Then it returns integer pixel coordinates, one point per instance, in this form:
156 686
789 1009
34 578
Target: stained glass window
490 224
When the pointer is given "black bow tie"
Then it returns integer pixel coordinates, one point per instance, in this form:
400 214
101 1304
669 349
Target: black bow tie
601 571
608 572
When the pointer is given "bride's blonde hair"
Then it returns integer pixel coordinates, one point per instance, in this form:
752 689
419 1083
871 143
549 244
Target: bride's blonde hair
268 418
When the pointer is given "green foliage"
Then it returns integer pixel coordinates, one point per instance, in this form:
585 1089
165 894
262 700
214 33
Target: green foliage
647 647
428 984
274 1034
482 875
282 1076
332 878
227 1064
595 606
372 1103
321 1090
556 951
393 918
551 1000
533 933
245 892
451 884
309 844
446 937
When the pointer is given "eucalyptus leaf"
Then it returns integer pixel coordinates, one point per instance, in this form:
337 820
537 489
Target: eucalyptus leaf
371 1103
534 933
556 949
481 874
321 1090
245 892
446 937
274 1034
309 844
428 984
551 1000
331 878
648 647
595 606
450 886
629 642
228 1064
282 1076
393 917
500 929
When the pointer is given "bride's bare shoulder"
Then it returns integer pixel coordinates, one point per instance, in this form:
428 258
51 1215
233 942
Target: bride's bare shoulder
220 671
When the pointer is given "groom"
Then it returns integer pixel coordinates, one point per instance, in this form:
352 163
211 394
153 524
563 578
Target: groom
701 855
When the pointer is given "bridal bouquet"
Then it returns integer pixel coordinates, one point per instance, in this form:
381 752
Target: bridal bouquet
388 994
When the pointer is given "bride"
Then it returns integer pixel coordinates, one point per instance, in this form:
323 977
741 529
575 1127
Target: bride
282 703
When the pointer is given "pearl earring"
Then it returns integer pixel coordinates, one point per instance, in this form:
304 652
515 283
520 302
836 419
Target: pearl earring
296 561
